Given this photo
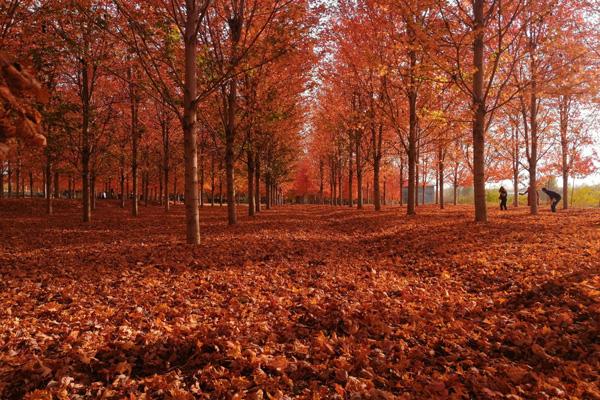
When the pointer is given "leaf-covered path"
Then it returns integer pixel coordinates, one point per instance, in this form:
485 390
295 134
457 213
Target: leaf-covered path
301 302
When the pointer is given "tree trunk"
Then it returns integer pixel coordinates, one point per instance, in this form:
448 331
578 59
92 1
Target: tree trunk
412 144
18 180
321 182
564 146
212 179
257 183
441 178
359 173
85 133
220 189
93 190
350 175
250 195
479 113
31 184
9 173
533 151
190 135
401 198
202 178
123 194
229 154
516 188
56 185
49 205
268 191
1 179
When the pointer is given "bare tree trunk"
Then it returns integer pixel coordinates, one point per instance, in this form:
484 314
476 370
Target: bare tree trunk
321 182
212 179
350 174
229 158
257 183
220 189
251 173
85 133
441 178
479 112
123 194
1 179
202 178
413 175
268 191
49 206
9 173
376 165
359 174
533 151
93 190
18 179
56 185
192 215
564 146
401 181
31 184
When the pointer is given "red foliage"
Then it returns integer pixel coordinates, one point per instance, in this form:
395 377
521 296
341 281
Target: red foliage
346 304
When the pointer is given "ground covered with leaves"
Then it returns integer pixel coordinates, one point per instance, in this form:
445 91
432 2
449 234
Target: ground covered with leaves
301 302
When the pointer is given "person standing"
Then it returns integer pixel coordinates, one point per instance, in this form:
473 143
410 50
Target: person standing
555 197
503 198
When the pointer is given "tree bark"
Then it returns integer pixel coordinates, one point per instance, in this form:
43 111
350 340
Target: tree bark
56 185
564 146
49 205
92 190
257 183
85 133
479 113
190 135
250 195
533 155
441 178
350 174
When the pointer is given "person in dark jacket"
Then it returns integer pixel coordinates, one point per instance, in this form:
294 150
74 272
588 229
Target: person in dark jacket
503 198
555 197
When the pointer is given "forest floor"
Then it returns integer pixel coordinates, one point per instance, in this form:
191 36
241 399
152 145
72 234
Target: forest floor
301 302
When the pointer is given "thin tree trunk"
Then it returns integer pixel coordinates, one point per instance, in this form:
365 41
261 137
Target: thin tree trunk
250 195
257 183
564 146
49 205
9 173
479 112
93 190
190 135
441 178
321 182
1 179
123 194
534 150
212 179
350 175
202 178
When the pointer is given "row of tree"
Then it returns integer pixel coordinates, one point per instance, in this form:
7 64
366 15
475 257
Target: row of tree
404 81
143 89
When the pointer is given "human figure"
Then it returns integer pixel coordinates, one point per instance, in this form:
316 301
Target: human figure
530 196
503 198
555 197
